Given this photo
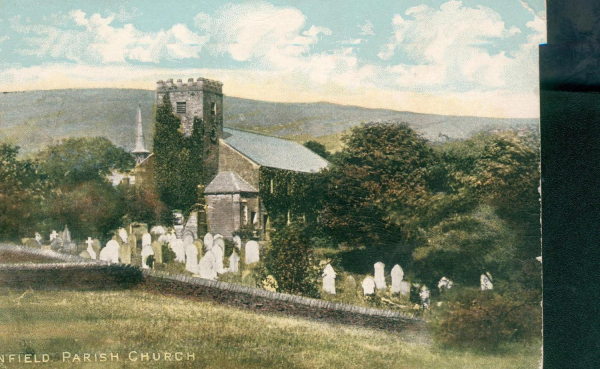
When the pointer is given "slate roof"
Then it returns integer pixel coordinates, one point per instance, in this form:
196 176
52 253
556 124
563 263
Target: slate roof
228 182
274 152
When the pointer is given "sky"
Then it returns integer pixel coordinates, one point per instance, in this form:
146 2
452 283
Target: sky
471 57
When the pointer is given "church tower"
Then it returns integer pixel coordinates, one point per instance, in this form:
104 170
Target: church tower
201 99
140 153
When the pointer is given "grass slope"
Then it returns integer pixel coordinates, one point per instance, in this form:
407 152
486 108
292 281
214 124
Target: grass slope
35 119
220 336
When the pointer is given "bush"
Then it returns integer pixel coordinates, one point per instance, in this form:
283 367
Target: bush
484 320
168 255
289 259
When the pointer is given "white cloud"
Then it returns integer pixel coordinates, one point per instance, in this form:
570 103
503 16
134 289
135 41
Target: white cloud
367 29
93 39
450 47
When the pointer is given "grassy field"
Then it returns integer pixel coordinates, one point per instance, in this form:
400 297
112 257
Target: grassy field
219 336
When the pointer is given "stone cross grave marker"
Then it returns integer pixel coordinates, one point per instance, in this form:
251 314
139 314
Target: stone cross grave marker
234 262
53 235
208 242
329 279
146 252
110 252
379 276
252 252
368 286
486 282
238 242
397 276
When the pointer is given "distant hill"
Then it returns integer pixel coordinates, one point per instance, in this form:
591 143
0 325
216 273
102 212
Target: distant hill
35 119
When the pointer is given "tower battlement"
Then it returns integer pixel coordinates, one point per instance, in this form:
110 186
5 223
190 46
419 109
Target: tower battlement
201 84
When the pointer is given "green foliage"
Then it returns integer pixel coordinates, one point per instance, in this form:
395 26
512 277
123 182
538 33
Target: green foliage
317 148
178 160
168 255
246 232
289 259
20 194
485 320
143 205
382 170
78 160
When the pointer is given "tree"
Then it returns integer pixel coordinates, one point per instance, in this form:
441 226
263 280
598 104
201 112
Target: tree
77 160
178 160
382 170
289 259
20 194
317 148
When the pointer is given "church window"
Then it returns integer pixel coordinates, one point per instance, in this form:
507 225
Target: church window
213 108
181 107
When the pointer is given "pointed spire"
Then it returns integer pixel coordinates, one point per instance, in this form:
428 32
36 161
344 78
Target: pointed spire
140 151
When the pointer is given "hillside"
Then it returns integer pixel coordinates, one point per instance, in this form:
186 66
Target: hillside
35 119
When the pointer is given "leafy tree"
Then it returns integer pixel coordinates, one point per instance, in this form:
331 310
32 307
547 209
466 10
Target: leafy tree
20 194
317 148
289 259
382 170
77 160
178 160
143 205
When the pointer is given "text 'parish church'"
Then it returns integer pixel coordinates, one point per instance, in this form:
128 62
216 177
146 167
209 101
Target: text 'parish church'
235 161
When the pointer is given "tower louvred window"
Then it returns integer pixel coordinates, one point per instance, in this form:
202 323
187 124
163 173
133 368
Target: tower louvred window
181 107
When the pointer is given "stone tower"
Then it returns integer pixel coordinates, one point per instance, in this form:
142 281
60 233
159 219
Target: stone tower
202 99
140 153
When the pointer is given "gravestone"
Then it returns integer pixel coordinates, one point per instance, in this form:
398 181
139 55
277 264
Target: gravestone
146 239
424 295
85 254
90 248
66 236
444 284
164 239
217 236
172 237
238 242
123 235
397 276
350 283
219 253
191 258
404 288
329 279
159 230
157 249
110 252
30 242
146 252
486 282
125 253
234 262
177 246
207 266
208 241
379 276
96 247
368 286
56 243
252 252
53 235
38 238
132 241
219 241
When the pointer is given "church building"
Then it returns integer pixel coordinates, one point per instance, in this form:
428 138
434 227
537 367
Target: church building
239 166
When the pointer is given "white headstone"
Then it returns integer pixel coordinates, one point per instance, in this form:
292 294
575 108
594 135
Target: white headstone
146 252
208 241
379 276
110 252
444 283
53 235
329 279
220 242
238 242
217 236
368 286
123 234
158 230
38 238
66 236
397 276
191 258
234 262
90 248
207 266
146 239
177 246
163 239
424 294
252 252
219 253
486 282
172 237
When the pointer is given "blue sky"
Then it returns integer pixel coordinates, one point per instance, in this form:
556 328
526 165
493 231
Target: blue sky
471 57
